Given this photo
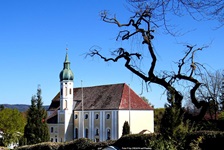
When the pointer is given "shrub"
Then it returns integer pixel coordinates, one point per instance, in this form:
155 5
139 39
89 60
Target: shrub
126 129
40 146
101 145
79 144
209 139
134 140
200 140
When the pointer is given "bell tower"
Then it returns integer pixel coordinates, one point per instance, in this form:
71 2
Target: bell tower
66 86
65 112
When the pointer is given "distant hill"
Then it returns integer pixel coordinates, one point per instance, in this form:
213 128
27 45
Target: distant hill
20 107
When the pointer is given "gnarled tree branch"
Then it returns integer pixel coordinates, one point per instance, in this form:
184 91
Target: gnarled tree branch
141 23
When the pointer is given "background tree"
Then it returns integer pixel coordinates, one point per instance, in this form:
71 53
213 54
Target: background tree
2 107
36 130
43 134
222 93
171 122
210 91
12 125
126 129
29 132
158 115
147 101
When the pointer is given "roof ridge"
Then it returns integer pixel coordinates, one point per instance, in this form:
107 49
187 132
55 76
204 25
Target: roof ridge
100 85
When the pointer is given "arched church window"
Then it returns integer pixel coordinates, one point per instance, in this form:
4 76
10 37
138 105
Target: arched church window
108 116
70 91
108 134
97 132
56 140
76 133
97 116
86 116
86 132
66 91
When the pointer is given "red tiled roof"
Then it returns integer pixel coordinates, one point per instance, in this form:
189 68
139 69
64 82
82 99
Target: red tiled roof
136 102
105 97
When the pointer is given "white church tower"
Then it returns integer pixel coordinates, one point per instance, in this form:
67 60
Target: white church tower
65 120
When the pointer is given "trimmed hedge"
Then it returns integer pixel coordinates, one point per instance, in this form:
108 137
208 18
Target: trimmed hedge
134 141
204 140
79 144
41 146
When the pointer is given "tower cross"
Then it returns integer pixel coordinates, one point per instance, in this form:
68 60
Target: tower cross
66 47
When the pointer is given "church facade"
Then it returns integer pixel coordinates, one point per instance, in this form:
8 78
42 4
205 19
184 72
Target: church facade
96 112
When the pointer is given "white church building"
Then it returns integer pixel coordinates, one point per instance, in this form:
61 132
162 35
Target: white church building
96 112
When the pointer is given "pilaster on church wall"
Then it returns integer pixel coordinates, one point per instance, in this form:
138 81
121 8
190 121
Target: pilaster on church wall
61 132
86 120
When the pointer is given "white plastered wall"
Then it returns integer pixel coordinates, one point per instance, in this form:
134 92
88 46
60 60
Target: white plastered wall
138 120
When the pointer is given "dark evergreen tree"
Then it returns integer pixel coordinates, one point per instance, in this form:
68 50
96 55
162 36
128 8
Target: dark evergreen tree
2 107
36 130
158 115
126 129
171 117
29 131
43 132
170 121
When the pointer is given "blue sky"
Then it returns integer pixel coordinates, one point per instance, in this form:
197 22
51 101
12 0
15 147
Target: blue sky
34 35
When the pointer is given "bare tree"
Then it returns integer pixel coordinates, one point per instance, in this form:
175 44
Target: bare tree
197 9
188 68
210 91
222 92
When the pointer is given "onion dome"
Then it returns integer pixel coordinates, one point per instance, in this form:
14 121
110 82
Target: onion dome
66 73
